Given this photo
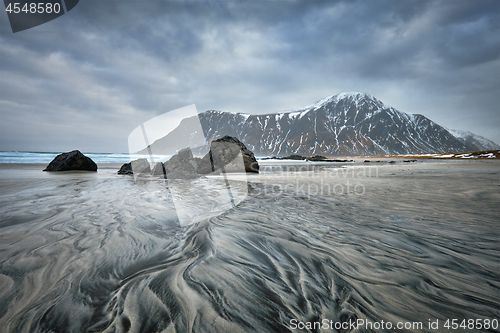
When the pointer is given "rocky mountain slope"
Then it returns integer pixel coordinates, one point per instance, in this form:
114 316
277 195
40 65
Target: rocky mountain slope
340 125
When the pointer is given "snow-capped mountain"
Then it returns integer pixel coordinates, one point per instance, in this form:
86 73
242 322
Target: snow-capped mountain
472 139
343 124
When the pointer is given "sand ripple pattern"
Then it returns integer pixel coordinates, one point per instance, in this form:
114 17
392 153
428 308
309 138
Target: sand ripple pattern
107 255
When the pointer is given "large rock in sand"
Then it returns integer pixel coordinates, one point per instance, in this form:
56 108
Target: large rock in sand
74 160
182 165
222 156
225 150
158 169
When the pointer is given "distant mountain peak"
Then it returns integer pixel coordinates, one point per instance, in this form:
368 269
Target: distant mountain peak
353 96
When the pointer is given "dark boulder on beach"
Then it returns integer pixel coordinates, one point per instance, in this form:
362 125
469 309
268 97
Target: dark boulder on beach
158 169
203 165
140 165
182 165
74 160
183 156
294 157
222 155
317 158
187 172
126 169
225 150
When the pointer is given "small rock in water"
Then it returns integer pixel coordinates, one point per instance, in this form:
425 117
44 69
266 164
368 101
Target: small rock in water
74 160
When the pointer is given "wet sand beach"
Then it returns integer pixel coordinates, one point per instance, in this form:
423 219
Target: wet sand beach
407 242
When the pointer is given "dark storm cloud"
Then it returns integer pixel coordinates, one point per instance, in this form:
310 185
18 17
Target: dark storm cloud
105 67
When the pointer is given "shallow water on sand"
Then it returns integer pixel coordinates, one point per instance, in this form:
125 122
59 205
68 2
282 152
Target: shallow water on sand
99 252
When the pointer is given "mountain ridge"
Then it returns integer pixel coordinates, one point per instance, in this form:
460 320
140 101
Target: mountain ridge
481 141
344 124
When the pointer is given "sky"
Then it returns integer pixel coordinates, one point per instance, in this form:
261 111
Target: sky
88 78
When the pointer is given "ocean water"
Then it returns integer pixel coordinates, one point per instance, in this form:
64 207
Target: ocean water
409 245
46 157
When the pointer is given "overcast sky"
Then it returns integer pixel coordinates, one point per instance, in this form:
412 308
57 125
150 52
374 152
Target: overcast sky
87 79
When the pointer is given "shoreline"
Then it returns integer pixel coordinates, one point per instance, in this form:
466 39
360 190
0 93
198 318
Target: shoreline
403 232
356 161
